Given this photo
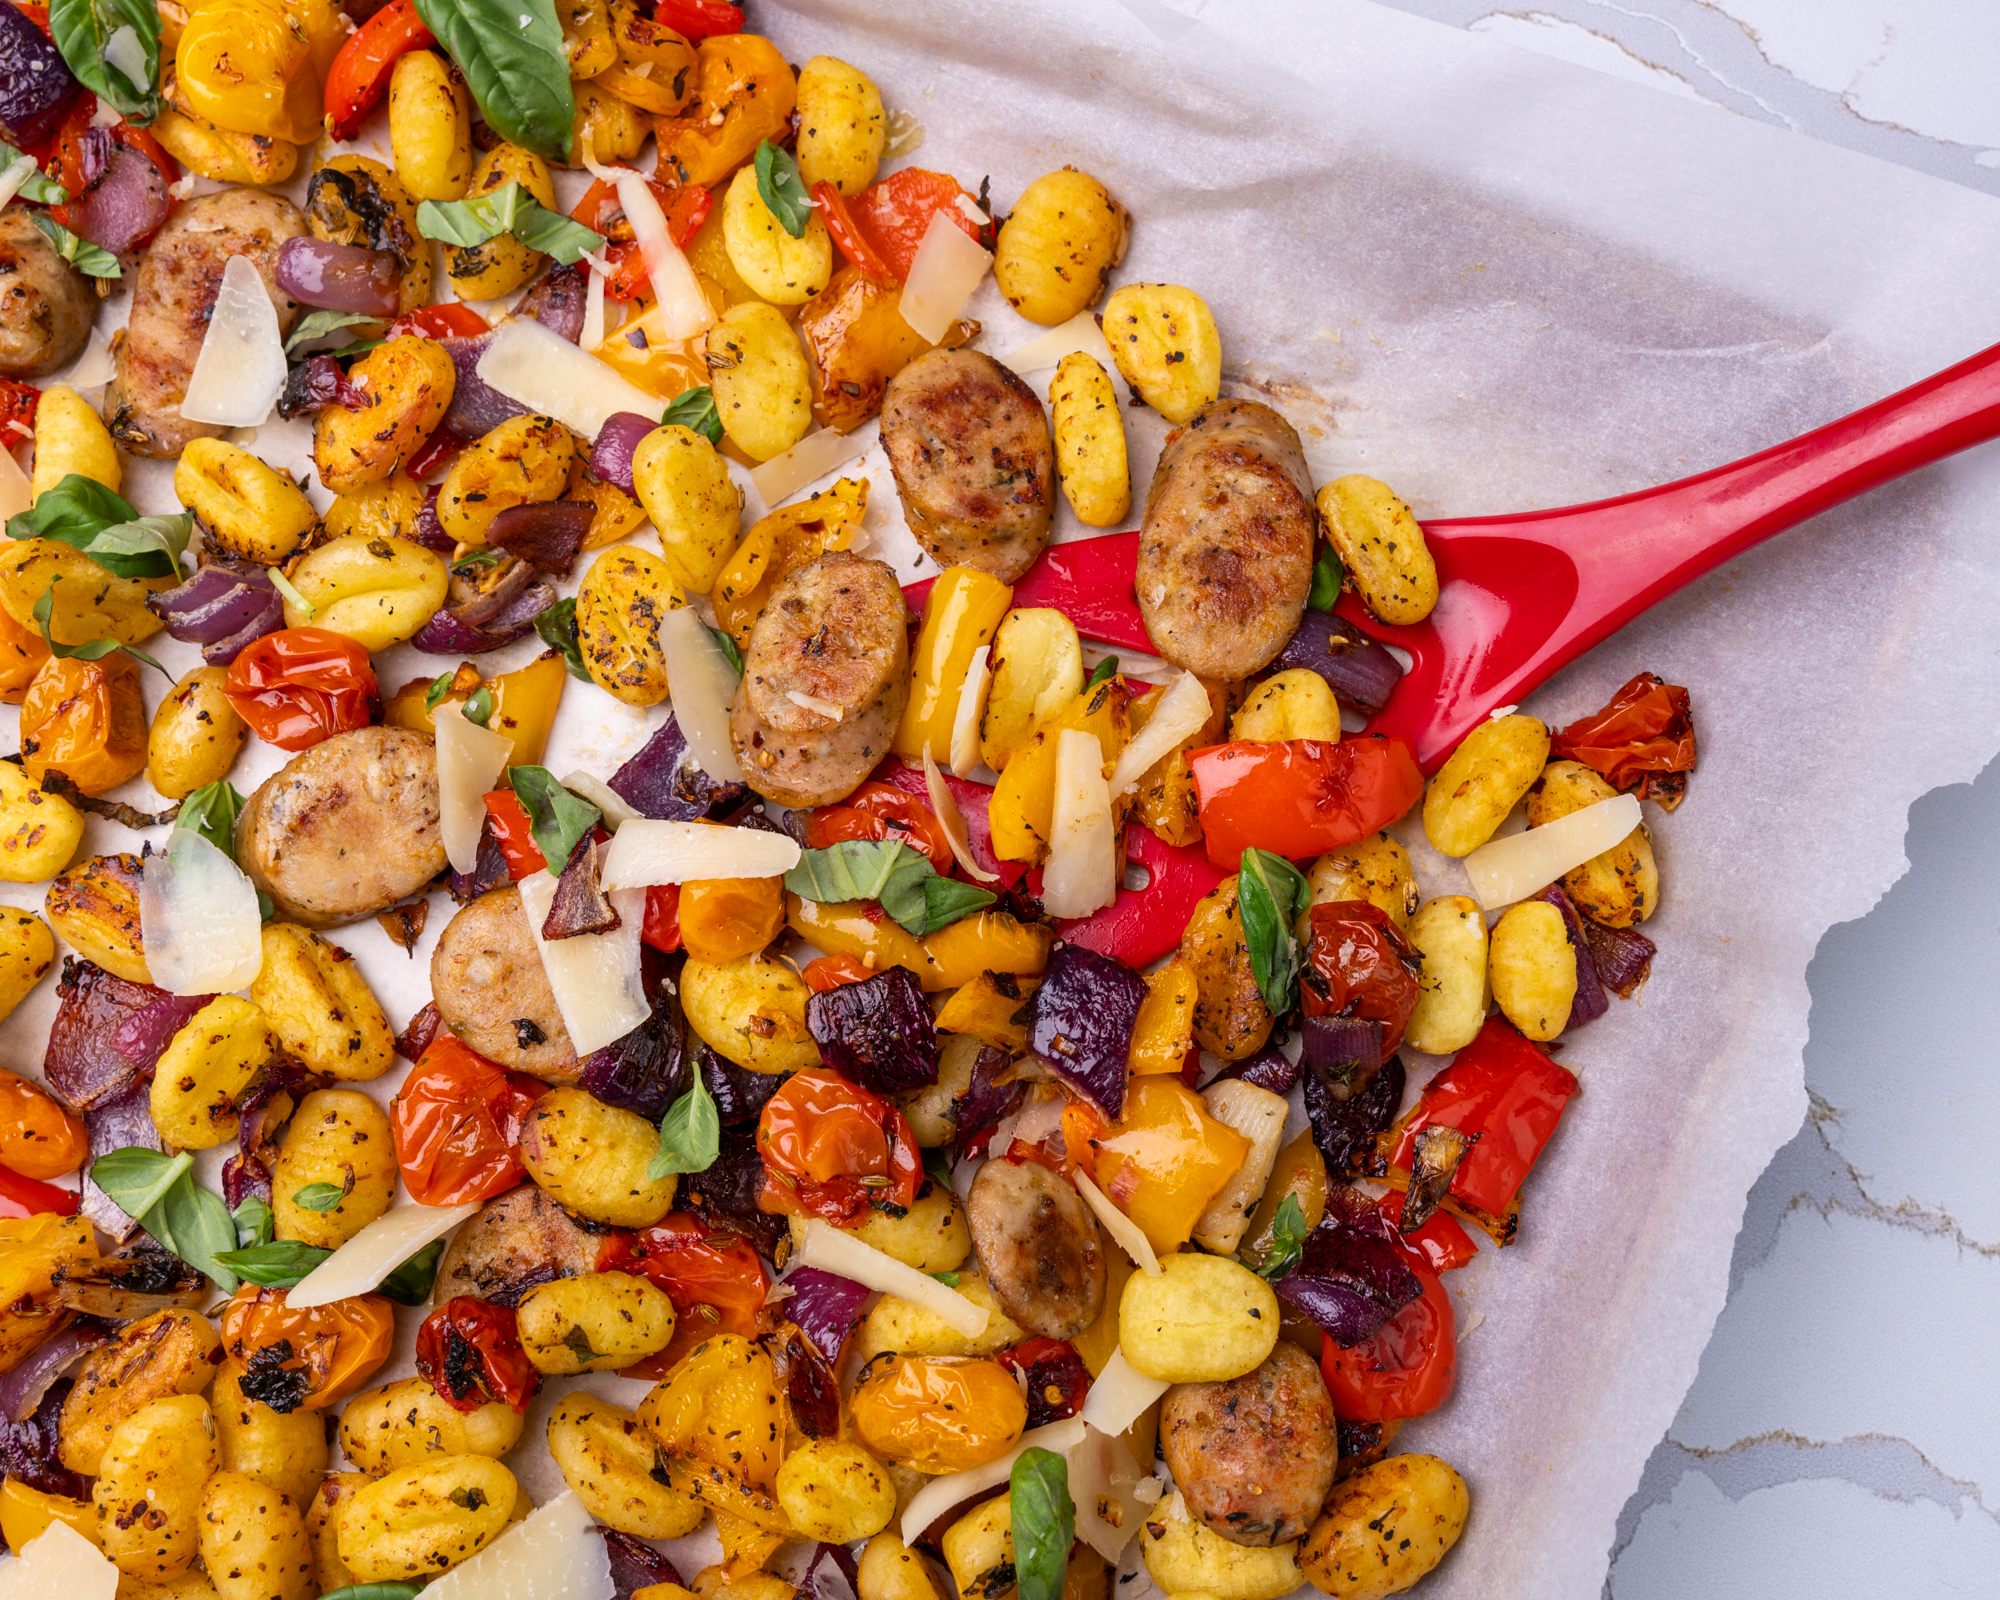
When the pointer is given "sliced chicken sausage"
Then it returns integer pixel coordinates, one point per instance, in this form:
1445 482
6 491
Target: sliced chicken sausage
973 459
1254 1457
491 990
45 303
1226 551
171 303
1037 1243
516 1241
824 681
345 829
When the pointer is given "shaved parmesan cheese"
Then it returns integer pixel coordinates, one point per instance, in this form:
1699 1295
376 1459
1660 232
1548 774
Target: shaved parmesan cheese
1043 351
555 1553
1122 1228
377 1250
684 310
593 311
241 368
1083 864
646 851
546 373
470 760
947 268
704 690
955 1488
198 918
600 794
124 51
813 703
594 976
1183 709
964 753
16 175
820 1244
93 367
972 211
812 458
606 175
1505 870
59 1564
1119 1395
906 134
17 489
952 820
1104 1477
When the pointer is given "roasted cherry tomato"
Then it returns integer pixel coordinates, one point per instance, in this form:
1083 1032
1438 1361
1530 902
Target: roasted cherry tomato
892 215
1302 797
470 1352
698 1267
452 318
847 235
881 811
1643 742
830 972
1438 1246
1404 1369
685 209
86 721
457 1125
298 686
439 450
1358 964
38 1139
662 927
1057 1379
514 833
18 404
30 1197
698 19
312 1357
832 1149
359 77
938 1413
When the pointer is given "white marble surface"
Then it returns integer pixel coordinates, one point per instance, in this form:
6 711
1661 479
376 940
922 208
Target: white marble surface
1839 1442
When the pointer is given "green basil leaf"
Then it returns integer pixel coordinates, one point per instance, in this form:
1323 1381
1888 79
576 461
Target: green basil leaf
320 1197
727 646
937 1166
1288 1240
254 1223
509 209
948 1279
1104 671
1044 1520
410 1284
134 1178
89 35
947 899
690 1135
203 1230
782 190
556 817
37 185
479 707
557 627
211 811
1269 894
289 591
95 650
863 869
1328 576
511 52
480 560
278 1265
86 257
145 547
440 687
75 511
318 324
695 411
375 1591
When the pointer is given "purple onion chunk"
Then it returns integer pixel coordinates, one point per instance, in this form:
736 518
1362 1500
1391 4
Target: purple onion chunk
497 618
1267 1069
1341 1050
663 782
339 277
557 300
315 384
649 1068
22 1390
108 1034
725 1196
825 1307
739 1093
546 535
877 1033
125 199
1080 1023
488 872
31 1450
611 451
429 532
832 1574
1361 673
244 1178
635 1565
580 904
477 408
985 1102
35 81
222 608
1349 1282
1590 1002
1623 957
1347 1117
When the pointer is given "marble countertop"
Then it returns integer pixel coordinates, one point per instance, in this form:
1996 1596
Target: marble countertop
1839 1442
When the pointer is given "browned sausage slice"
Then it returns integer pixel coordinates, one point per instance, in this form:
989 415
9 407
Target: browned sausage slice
1254 1457
45 303
973 460
490 989
1226 551
519 1240
1038 1244
825 676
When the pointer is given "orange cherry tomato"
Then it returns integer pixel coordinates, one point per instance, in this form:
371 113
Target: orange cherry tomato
85 720
299 686
469 1350
457 1125
939 1413
830 972
38 1139
1404 1369
881 811
831 1149
312 1357
892 215
722 919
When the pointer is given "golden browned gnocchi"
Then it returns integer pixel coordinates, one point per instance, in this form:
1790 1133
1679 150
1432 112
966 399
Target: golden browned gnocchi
70 437
595 1322
842 128
1230 1017
320 1006
378 592
39 832
835 1491
285 1449
592 1158
1090 441
931 1235
979 1551
213 152
1380 542
87 602
196 735
1204 1319
587 42
618 610
169 1353
1482 781
612 1463
149 1483
322 1528
430 127
762 384
407 1422
204 1071
503 263
611 129
420 1520
1618 888
247 508
686 490
891 1570
1164 340
27 951
336 1171
523 461
409 383
1293 704
1183 1556
1450 935
1533 968
253 1541
1385 1527
1058 246
385 509
93 905
778 268
752 1011
1376 870
910 1329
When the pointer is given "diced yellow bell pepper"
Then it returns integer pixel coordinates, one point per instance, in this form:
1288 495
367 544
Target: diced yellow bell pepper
990 1008
27 1514
1180 1155
524 703
1164 1033
1023 803
964 608
986 941
781 543
31 1249
1098 1343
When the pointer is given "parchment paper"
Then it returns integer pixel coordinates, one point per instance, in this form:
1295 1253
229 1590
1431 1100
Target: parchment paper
1502 282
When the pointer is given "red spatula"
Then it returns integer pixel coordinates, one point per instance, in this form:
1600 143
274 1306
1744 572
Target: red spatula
1522 596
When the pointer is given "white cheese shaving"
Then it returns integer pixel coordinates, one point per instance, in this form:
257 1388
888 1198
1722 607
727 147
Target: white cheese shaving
812 458
684 310
198 918
1045 350
555 1553
124 51
1122 1228
600 794
17 489
972 211
376 1251
646 851
594 976
470 760
955 1488
820 1244
1083 865
952 820
814 704
704 690
593 309
947 268
1259 1115
546 373
1183 709
241 367
1104 1482
91 368
1119 1395
1505 870
906 134
964 753
16 175
59 1564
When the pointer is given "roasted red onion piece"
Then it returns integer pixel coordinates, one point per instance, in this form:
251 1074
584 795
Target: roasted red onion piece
22 1389
316 383
1623 957
985 1102
35 81
1590 1002
825 1306
1267 1069
244 1177
1349 1282
1347 1114
429 532
556 300
31 1450
580 904
611 453
725 1196
339 277
1081 1020
222 608
635 1565
739 1093
663 783
547 535
108 1033
650 1067
120 1123
477 408
495 619
416 1037
877 1033
125 201
488 872
1361 673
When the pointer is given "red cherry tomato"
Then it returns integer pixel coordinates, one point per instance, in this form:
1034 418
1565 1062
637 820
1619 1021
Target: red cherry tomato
698 19
831 1148
830 972
298 686
1359 965
470 1351
438 322
1302 797
1404 1370
881 811
18 404
457 1124
514 833
662 926
698 1266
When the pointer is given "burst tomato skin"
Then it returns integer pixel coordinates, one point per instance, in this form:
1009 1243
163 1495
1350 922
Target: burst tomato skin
299 686
831 1149
1405 1369
457 1125
469 1350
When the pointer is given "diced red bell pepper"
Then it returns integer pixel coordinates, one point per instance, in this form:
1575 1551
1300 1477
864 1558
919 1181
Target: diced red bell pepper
895 213
1144 924
1302 797
697 20
30 1197
359 76
1438 1246
1087 580
1511 1094
440 450
514 833
847 236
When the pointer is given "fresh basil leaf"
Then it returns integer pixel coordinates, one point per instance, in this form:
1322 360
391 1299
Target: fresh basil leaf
509 209
727 646
202 1229
1269 894
410 1284
75 511
86 257
254 1223
695 411
690 1135
1103 672
37 185
1328 576
320 1197
946 900
511 52
95 650
278 1265
91 34
782 190
557 626
948 1279
134 1178
1044 1520
318 324
211 811
857 869
556 817
479 707
289 591
480 560
145 547
937 1166
375 1591
1288 1240
440 687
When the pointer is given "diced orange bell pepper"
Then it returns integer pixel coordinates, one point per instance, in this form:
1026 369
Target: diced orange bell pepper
990 1008
1164 1033
1165 1159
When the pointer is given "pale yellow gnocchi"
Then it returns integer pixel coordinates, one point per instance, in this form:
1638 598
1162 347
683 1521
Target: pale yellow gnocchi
319 1005
1450 935
751 1011
336 1171
685 488
593 1157
762 384
607 1456
1482 781
594 1322
420 1520
246 507
1163 338
1204 1319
